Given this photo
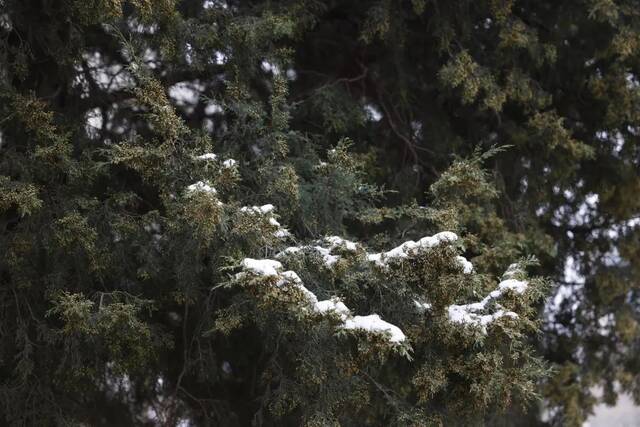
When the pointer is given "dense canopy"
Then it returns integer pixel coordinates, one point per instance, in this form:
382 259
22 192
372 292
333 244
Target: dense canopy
318 212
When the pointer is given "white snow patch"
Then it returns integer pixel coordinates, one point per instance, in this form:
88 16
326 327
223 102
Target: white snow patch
467 267
264 209
262 267
466 315
208 4
472 314
219 58
326 255
207 156
201 186
291 277
381 259
371 323
422 306
410 247
281 232
517 286
274 222
339 242
511 271
374 324
333 305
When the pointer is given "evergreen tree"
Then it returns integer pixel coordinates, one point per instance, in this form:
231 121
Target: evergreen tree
200 200
555 80
171 248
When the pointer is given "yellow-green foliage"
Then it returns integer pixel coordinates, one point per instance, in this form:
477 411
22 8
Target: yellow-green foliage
18 195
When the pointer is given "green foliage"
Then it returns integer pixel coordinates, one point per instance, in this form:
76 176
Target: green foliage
122 286
21 196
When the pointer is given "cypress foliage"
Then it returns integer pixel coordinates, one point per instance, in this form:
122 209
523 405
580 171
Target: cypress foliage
147 277
558 82
304 212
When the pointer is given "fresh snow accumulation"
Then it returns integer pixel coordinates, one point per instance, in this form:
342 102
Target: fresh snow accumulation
467 267
469 313
229 163
511 271
374 324
264 209
517 286
333 305
338 242
410 247
262 267
421 305
207 156
281 232
274 222
201 186
291 277
473 314
462 314
325 253
289 251
382 258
